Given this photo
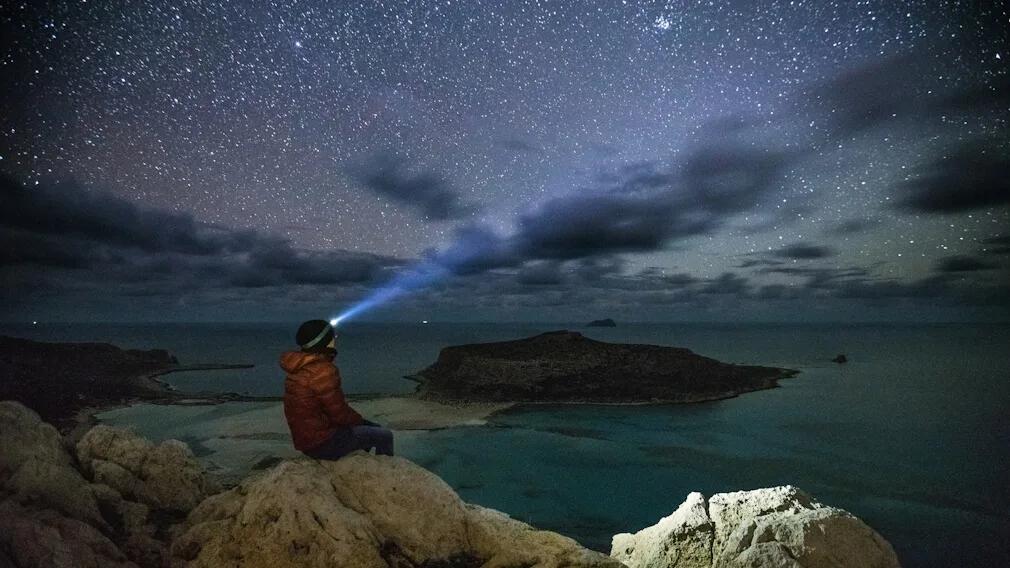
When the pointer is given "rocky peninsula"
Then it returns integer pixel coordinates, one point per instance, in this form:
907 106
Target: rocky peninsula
567 367
66 382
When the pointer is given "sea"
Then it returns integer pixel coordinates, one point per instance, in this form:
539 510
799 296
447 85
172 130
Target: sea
912 434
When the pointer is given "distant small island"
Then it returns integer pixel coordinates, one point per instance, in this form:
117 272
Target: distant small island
67 382
602 323
567 367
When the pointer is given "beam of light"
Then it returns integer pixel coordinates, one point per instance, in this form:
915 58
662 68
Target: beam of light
473 245
413 279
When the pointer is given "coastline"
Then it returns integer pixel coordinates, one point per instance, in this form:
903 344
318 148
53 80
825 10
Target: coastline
398 412
156 391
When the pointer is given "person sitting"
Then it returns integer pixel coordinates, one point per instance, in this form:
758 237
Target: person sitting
323 425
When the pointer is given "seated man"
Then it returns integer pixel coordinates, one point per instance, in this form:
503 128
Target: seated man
323 425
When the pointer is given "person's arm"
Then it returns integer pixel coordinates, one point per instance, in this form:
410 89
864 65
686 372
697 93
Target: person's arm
332 399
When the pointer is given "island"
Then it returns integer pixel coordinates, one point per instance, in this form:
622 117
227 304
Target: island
602 323
567 367
66 383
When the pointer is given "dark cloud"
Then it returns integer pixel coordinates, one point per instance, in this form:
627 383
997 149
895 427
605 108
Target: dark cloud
542 273
727 283
679 280
475 249
907 88
104 238
65 209
579 226
752 262
996 245
961 264
803 251
863 97
275 263
594 268
427 191
976 175
19 247
729 177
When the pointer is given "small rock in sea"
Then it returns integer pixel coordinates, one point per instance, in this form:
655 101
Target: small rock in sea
840 359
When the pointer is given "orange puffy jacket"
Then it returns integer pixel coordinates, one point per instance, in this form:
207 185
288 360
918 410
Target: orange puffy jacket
314 405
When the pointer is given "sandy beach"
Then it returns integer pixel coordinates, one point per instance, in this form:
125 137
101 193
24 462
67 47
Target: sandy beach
232 439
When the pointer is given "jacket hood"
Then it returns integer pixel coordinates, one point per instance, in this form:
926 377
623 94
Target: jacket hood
292 361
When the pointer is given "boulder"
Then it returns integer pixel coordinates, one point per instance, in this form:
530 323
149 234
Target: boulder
166 476
24 436
361 510
777 526
37 469
681 539
45 538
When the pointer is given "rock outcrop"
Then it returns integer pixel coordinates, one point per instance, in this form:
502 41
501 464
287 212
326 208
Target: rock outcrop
59 510
602 323
118 500
565 366
166 476
58 379
362 510
778 526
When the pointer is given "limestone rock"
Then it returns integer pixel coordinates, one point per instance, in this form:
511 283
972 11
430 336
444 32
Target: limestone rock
823 537
24 436
681 539
37 469
361 510
54 486
773 527
729 510
47 539
501 541
166 476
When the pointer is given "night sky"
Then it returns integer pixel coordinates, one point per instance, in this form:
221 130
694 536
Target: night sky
529 160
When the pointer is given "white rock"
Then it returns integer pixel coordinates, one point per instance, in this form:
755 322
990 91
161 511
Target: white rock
166 476
774 527
728 510
24 436
823 537
361 510
55 486
679 540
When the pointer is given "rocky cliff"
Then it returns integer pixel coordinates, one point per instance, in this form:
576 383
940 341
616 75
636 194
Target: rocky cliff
565 366
118 500
57 379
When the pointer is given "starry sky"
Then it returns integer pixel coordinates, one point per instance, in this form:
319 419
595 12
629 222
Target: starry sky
522 160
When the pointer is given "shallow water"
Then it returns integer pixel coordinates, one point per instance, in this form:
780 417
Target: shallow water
911 435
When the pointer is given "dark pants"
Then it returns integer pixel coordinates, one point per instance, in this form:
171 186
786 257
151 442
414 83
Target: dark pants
345 440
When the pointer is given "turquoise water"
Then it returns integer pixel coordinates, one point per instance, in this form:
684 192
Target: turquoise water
912 435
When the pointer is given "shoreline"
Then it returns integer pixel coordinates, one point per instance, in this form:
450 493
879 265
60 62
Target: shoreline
404 412
156 391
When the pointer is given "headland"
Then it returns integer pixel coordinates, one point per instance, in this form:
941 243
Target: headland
567 367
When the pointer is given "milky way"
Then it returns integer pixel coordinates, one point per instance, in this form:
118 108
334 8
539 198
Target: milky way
638 153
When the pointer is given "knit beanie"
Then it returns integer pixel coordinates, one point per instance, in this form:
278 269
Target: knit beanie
314 335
